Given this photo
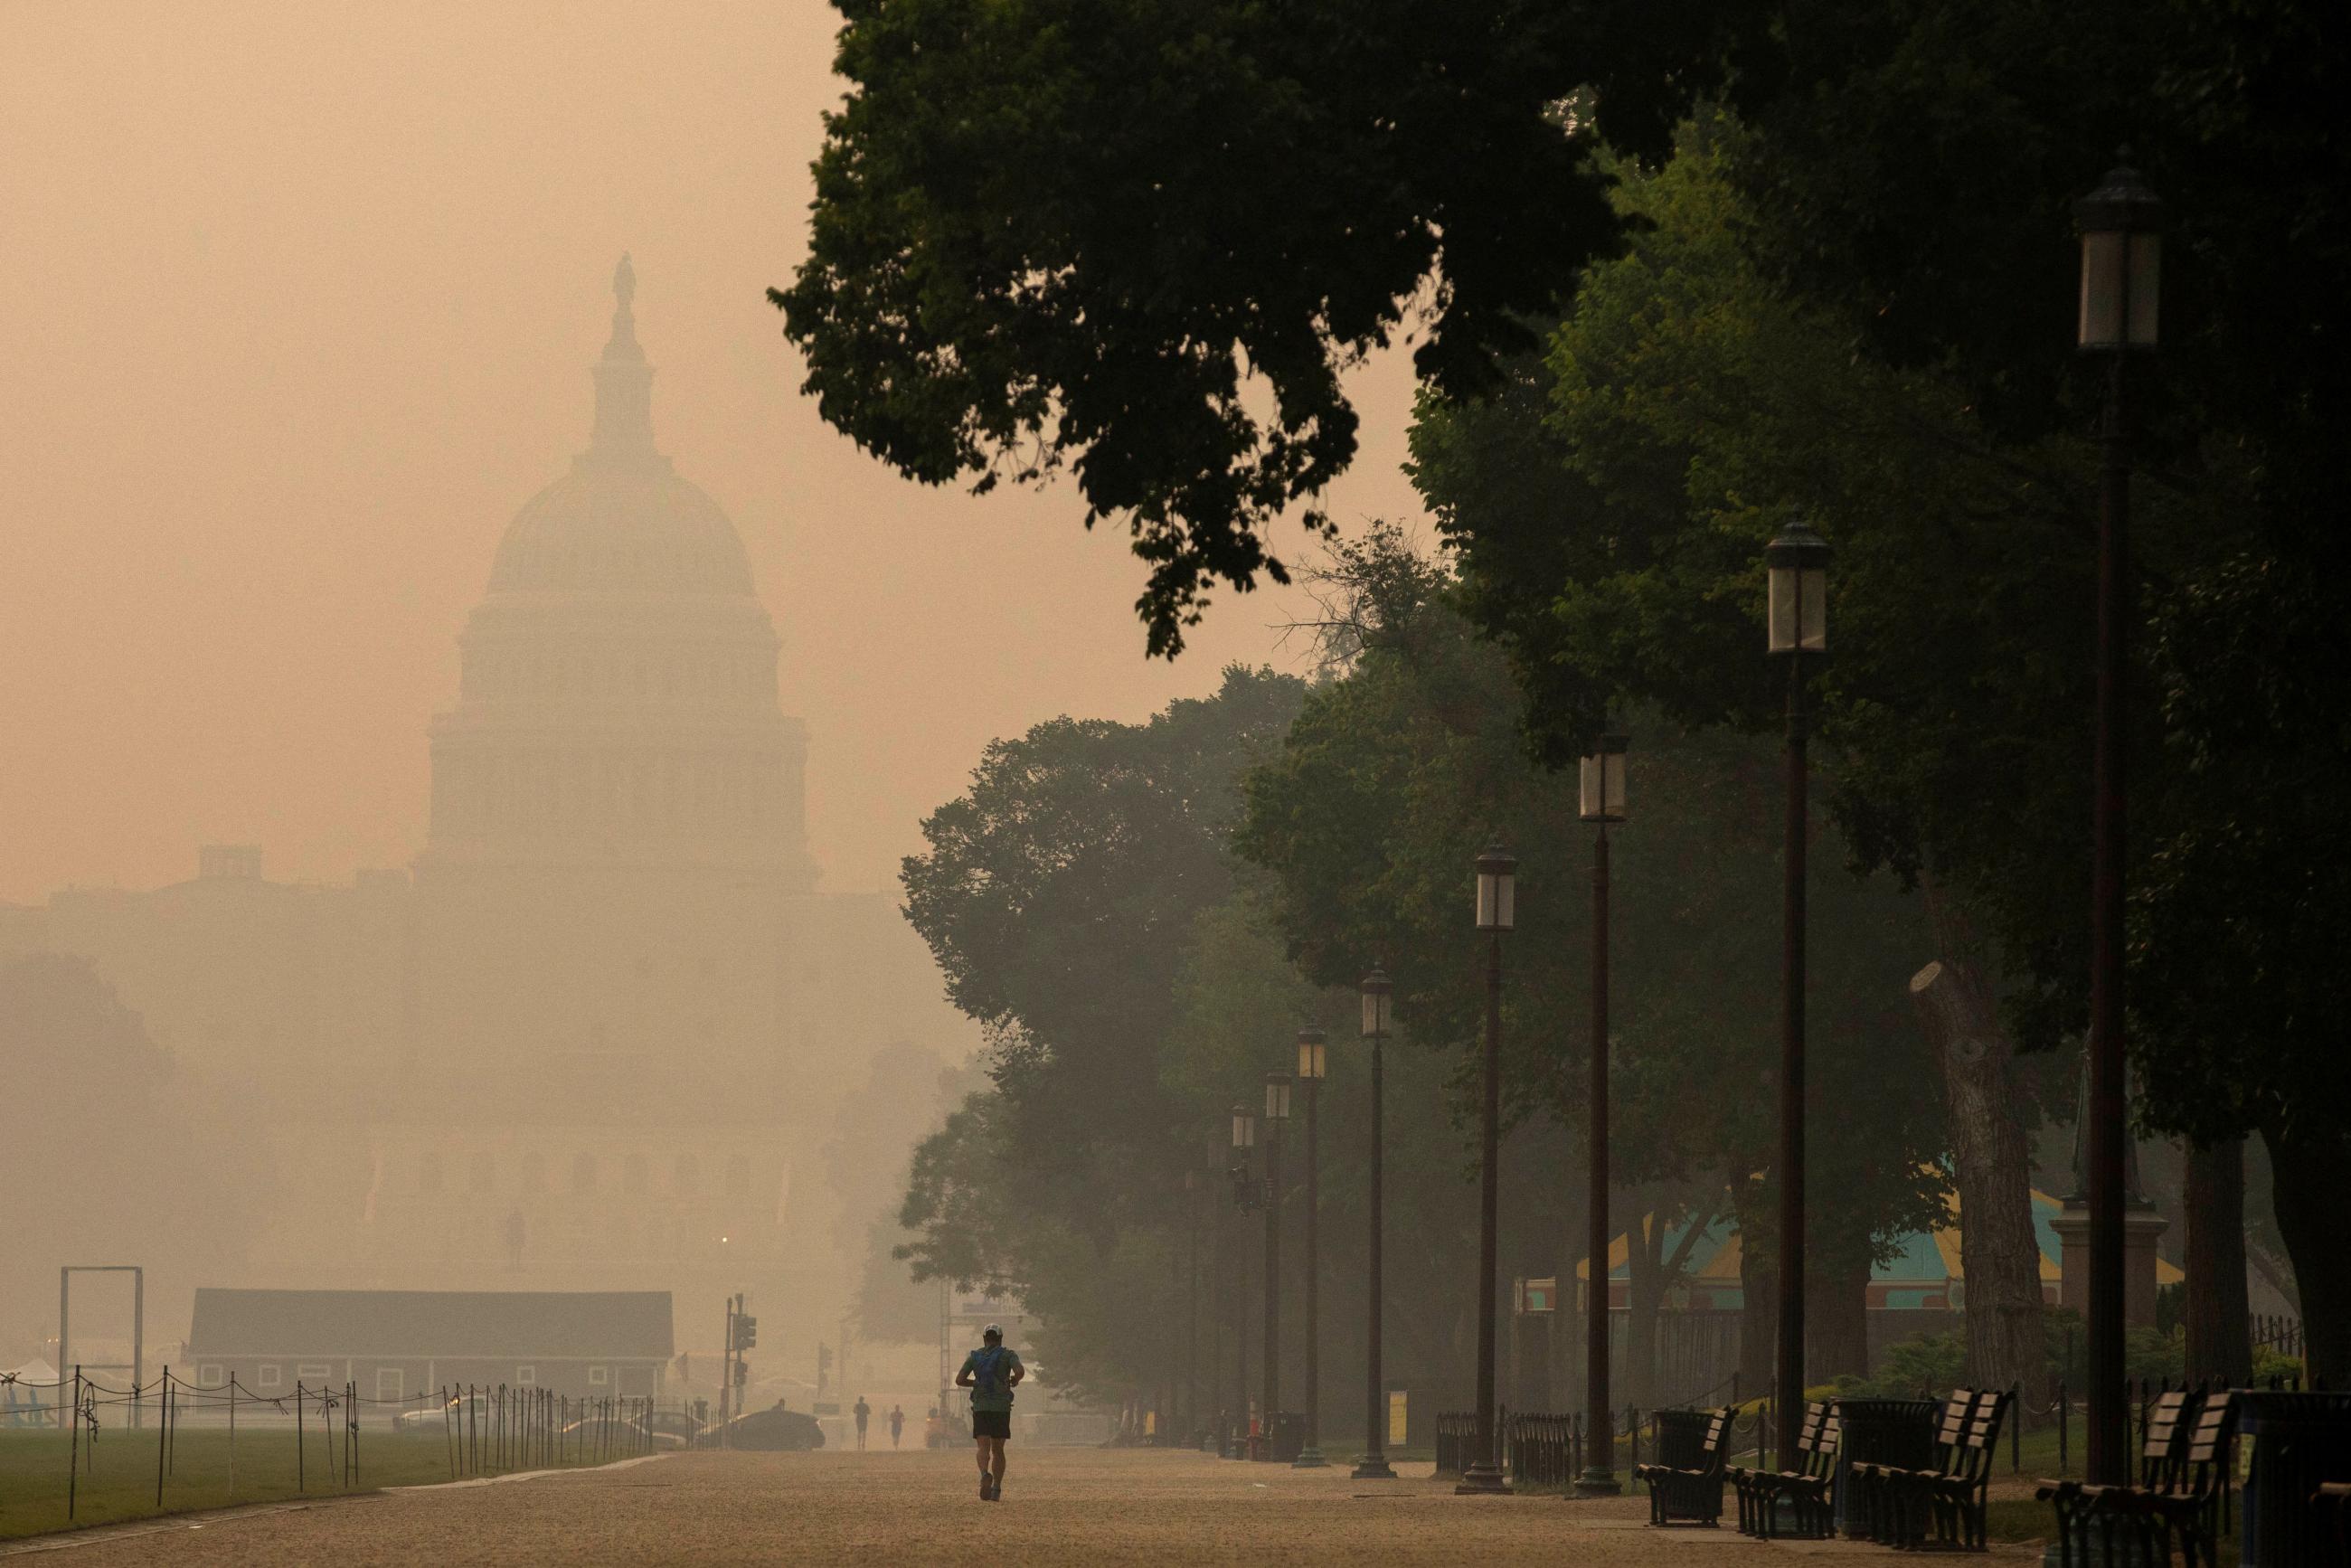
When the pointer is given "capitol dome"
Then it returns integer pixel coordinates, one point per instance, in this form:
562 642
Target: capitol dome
617 698
622 521
613 528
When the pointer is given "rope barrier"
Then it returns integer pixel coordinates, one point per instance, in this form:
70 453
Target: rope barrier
486 1429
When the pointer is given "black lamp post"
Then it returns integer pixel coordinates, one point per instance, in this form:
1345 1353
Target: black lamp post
2121 224
1276 1117
1244 1199
1374 1463
1796 565
1497 913
1602 803
1311 1064
1219 1274
1188 1411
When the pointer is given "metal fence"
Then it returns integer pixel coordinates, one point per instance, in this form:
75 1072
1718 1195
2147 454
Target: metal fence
2278 1335
482 1429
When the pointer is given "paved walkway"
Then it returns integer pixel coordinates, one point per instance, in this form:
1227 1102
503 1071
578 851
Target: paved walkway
1076 1506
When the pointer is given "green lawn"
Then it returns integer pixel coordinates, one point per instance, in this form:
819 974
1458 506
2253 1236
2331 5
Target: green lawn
117 1477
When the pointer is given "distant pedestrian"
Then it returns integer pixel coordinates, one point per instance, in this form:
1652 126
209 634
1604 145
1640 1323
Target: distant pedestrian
897 1424
862 1412
991 1373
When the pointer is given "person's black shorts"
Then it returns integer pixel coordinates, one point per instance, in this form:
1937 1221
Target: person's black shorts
991 1424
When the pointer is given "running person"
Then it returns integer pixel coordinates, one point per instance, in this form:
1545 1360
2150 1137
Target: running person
862 1411
991 1373
897 1423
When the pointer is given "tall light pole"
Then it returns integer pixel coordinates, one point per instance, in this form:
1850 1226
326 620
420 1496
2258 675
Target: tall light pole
1219 1276
1372 1466
1276 1117
1497 913
1602 803
2121 225
1312 1065
1191 1401
1244 1199
1796 568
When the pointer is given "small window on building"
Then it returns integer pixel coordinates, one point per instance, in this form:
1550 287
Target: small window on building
484 1173
583 1172
267 1376
208 1374
527 1376
739 1176
314 1373
428 1172
598 1376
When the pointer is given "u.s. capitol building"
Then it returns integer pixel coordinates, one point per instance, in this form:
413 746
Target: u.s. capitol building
590 1038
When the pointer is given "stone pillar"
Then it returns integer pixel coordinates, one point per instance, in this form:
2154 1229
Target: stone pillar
2141 1225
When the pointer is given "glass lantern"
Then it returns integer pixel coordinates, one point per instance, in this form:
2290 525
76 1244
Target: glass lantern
1376 988
1244 1128
2121 225
1311 1063
1602 779
1277 1096
1796 565
1498 875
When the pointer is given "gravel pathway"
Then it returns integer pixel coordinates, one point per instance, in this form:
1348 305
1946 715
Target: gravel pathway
1079 1506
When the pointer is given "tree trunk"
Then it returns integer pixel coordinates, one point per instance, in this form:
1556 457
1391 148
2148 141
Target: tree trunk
2308 1162
2219 1318
1643 1242
1654 1271
2000 1253
1576 1308
1836 1321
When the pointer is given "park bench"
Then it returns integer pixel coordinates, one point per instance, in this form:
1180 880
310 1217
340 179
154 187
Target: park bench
1875 1482
1691 1494
2079 1504
1745 1479
1758 1487
1951 1499
1810 1490
2185 1504
2183 1474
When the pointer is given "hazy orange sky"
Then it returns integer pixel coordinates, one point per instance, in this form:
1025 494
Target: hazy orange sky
296 305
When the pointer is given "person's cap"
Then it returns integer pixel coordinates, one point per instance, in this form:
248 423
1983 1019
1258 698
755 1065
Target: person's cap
991 1331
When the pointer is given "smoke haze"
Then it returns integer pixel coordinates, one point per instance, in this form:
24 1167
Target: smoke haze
300 303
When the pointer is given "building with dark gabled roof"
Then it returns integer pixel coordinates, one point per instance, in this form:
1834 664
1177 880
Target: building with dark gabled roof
398 1345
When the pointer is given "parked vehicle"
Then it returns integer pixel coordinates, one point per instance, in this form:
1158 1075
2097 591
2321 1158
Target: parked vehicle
427 1417
769 1430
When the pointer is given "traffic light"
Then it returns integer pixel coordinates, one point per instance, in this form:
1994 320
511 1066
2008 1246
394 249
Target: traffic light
747 1330
742 1374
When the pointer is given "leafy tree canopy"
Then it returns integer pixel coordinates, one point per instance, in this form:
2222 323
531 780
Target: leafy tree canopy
1392 779
1058 894
1145 239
